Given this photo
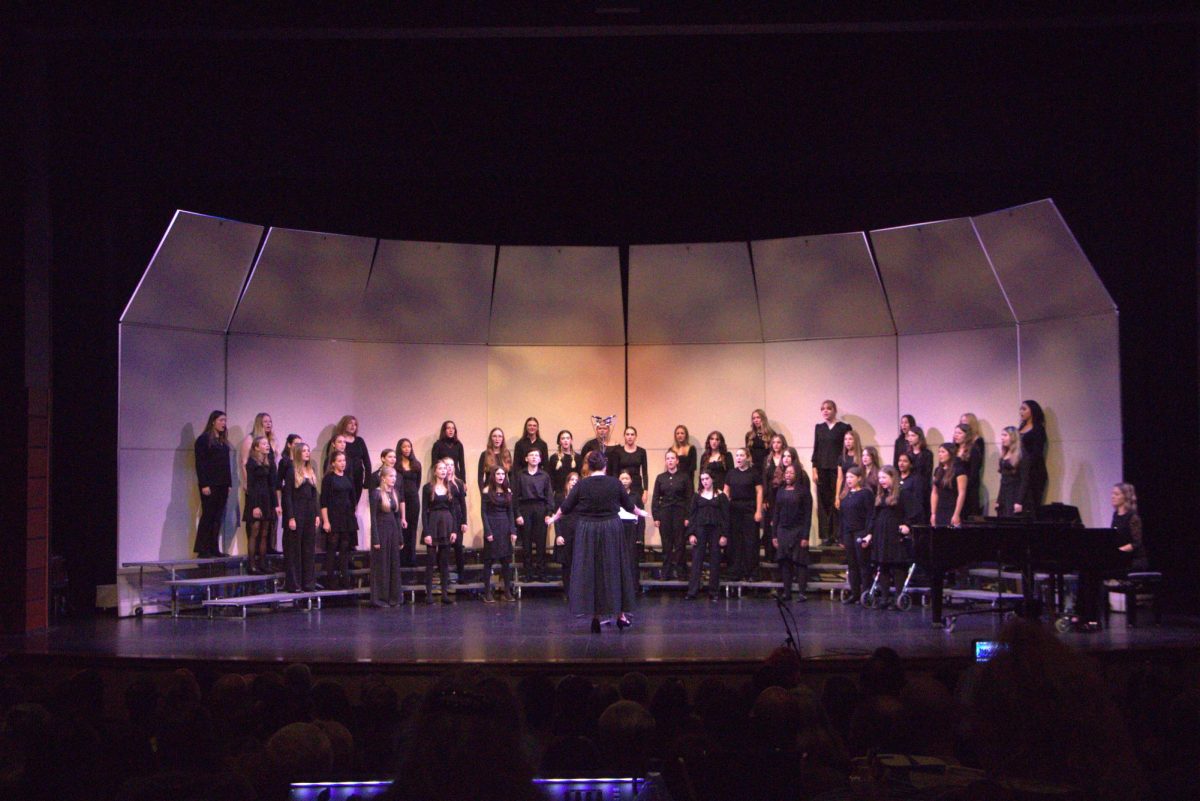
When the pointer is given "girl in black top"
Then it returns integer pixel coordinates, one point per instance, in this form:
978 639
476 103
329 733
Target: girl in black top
1013 497
302 517
871 465
922 461
629 529
913 486
1033 448
743 485
777 459
1125 518
827 450
601 581
671 498
564 535
708 532
409 469
214 478
969 451
261 511
856 520
358 459
460 514
338 499
716 458
632 457
885 539
535 502
264 426
907 423
949 488
499 531
337 444
758 438
285 462
495 454
531 439
851 457
791 523
563 462
442 506
387 540
387 458
449 446
685 452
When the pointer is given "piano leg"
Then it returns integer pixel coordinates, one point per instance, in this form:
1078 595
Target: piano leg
937 582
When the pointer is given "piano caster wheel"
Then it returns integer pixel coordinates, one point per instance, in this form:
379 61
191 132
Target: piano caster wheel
1063 624
904 602
868 600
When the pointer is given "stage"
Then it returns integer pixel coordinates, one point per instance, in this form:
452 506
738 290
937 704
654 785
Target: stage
729 637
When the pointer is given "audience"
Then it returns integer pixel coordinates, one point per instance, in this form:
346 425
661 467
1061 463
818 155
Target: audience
1036 721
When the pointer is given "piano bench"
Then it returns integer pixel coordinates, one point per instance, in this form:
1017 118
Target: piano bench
1131 587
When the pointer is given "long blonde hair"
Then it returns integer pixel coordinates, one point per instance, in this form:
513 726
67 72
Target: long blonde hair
260 431
254 454
1012 454
766 433
1130 496
893 495
302 468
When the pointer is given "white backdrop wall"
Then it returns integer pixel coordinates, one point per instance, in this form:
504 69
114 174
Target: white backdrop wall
328 325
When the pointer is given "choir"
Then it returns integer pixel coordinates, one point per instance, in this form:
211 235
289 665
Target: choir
726 505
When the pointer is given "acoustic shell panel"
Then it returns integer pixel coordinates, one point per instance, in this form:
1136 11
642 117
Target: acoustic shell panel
428 292
557 296
196 274
561 386
857 374
306 284
395 390
942 376
170 381
704 387
158 504
1044 272
692 294
819 287
938 278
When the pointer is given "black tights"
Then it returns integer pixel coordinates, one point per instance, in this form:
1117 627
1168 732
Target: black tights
439 554
337 559
505 563
257 534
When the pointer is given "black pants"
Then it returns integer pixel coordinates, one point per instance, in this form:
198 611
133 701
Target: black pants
505 563
670 530
338 545
855 562
533 537
828 519
789 569
767 546
708 543
299 549
412 514
212 512
439 554
629 531
743 538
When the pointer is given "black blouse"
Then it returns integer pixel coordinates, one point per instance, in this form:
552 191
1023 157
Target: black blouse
741 484
598 497
792 509
620 459
212 462
709 513
717 469
828 444
671 490
524 446
533 488
338 498
559 467
452 448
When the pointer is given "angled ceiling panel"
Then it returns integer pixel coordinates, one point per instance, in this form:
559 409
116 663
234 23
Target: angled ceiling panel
557 296
196 274
425 292
819 287
306 284
1043 270
938 278
692 294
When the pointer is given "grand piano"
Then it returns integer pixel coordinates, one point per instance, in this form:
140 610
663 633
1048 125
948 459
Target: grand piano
1031 546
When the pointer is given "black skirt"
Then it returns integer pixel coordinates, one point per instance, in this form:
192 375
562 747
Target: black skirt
602 581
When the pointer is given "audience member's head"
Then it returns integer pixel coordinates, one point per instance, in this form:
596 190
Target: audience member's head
466 744
297 677
536 693
635 687
883 674
775 719
1039 712
331 702
571 698
670 707
625 735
